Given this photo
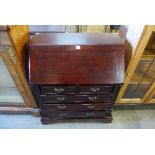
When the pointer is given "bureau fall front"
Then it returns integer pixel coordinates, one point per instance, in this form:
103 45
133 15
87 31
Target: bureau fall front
75 75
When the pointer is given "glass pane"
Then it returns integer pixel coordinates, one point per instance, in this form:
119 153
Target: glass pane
136 91
8 90
12 95
142 78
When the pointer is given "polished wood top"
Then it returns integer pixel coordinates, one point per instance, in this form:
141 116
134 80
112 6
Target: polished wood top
76 39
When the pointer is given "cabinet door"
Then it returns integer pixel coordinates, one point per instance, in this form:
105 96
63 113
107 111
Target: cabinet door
141 80
140 77
15 94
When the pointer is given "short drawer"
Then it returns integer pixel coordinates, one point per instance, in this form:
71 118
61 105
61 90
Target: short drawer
75 114
58 89
76 98
76 107
95 89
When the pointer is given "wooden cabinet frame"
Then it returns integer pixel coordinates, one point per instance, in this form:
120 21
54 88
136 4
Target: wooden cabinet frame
143 40
29 105
12 40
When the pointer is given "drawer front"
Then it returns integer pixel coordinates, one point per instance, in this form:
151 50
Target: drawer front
58 89
95 89
76 107
74 114
75 98
47 120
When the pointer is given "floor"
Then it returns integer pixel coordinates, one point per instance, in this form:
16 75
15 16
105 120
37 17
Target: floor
123 119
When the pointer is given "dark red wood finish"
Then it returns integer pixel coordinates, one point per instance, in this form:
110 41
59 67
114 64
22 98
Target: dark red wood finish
97 89
76 75
75 114
64 64
84 89
47 120
76 98
60 39
55 89
78 107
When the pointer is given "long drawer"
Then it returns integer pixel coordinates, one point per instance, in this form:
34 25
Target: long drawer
47 120
75 114
76 107
76 98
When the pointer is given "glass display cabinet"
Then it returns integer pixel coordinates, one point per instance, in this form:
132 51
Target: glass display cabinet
15 94
140 74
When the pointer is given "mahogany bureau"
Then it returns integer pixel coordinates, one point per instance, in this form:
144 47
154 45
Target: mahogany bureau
75 75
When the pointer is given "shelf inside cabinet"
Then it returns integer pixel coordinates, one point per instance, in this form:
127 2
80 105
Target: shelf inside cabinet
148 55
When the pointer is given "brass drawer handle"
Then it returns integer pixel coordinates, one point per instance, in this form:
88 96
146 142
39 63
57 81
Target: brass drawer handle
92 98
59 90
91 106
61 107
61 98
90 114
94 90
63 114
